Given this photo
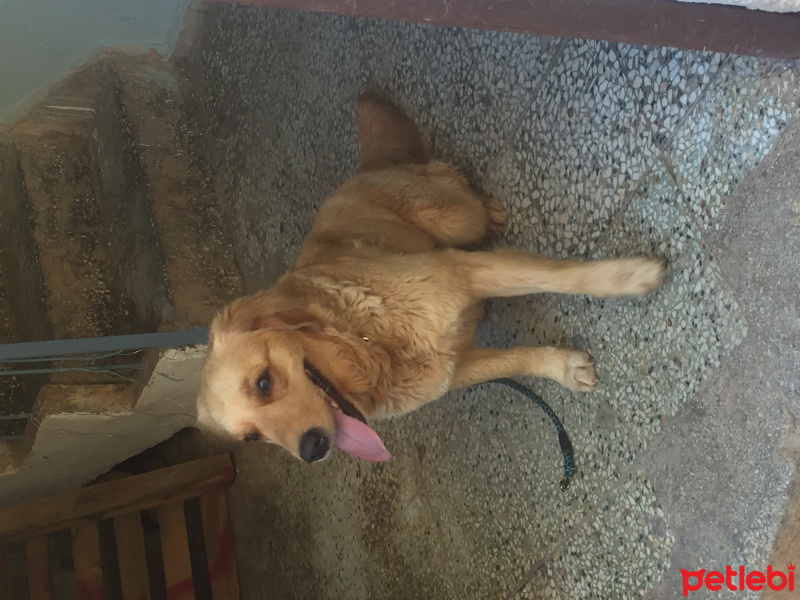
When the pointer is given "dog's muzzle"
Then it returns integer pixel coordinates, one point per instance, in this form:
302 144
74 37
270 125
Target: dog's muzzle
314 445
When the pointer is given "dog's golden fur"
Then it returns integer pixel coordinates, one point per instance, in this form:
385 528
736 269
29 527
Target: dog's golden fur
384 302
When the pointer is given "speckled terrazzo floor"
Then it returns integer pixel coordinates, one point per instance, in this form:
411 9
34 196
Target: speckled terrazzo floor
597 150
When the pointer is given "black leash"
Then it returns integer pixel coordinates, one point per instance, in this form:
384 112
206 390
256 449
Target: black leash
567 452
563 438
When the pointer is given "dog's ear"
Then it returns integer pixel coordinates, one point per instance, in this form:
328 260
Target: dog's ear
252 313
292 318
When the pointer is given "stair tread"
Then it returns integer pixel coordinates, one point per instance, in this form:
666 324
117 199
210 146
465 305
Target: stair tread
101 398
12 395
198 254
68 231
20 257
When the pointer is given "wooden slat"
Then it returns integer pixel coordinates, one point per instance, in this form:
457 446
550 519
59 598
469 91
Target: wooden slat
107 500
17 572
132 558
219 546
40 576
5 593
175 549
88 566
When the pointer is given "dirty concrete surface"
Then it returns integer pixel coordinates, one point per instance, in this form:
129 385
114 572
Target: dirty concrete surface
721 468
597 150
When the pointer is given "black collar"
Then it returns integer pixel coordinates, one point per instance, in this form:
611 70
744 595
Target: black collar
324 384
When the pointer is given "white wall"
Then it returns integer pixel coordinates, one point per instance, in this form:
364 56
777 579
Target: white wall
769 5
41 40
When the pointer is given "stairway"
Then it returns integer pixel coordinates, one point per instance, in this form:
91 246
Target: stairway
109 226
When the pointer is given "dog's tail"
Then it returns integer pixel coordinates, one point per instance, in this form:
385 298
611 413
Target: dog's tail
387 136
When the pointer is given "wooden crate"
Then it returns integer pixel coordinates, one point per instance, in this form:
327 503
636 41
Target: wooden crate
106 520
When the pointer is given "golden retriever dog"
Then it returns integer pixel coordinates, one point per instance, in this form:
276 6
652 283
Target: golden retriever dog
378 316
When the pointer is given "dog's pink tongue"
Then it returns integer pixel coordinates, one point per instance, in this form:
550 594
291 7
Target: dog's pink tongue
358 439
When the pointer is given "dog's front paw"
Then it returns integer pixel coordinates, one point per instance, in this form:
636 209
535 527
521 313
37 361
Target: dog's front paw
579 372
638 276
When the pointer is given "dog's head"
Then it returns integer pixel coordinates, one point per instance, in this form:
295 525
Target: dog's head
258 384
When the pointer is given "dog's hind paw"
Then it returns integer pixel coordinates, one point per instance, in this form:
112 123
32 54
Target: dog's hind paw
498 218
579 372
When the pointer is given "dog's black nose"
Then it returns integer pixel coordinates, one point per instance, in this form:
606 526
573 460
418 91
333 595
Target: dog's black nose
314 445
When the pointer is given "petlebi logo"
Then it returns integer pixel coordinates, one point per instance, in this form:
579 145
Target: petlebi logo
738 579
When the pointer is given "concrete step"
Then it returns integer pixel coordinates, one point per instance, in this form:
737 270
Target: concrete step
55 220
24 312
20 257
76 399
110 223
82 296
137 265
97 399
82 430
12 395
68 233
194 240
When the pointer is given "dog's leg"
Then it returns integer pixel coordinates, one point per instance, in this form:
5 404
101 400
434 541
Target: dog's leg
455 215
438 199
506 273
441 201
571 368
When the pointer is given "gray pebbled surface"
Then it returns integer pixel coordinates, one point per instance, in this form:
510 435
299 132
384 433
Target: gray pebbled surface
597 150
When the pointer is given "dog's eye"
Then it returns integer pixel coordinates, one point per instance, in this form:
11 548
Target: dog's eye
264 384
253 436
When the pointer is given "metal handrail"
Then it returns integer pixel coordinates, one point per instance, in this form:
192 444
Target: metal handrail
59 349
87 350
